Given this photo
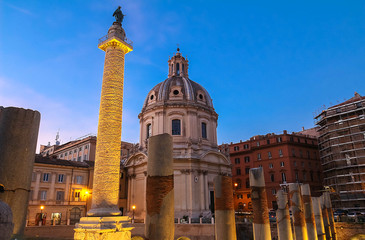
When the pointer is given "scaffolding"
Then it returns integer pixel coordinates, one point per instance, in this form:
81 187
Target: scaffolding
342 152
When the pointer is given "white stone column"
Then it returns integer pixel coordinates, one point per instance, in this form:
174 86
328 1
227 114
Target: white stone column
300 227
283 217
319 218
308 212
261 223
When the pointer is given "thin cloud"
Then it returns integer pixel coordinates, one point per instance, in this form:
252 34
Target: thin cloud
22 10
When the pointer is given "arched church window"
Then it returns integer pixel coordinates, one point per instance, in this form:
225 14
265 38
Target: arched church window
204 130
149 130
176 127
177 68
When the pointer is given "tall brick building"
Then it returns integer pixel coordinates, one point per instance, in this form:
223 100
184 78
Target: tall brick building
342 151
285 158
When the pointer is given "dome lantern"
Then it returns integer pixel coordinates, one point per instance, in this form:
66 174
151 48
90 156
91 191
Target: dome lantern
178 65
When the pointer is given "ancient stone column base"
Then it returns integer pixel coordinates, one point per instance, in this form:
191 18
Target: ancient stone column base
105 228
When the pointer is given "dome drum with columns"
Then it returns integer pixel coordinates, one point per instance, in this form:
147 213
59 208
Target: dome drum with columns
184 109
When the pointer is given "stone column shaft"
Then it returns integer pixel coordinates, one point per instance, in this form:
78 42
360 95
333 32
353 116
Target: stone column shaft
283 217
18 140
308 212
326 222
327 202
318 218
261 223
300 228
225 224
160 189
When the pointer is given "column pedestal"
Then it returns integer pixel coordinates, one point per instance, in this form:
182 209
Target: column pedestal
103 228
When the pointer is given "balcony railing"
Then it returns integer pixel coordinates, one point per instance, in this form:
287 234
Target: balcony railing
126 40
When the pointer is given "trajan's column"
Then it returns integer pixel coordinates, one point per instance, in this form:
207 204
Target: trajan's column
104 213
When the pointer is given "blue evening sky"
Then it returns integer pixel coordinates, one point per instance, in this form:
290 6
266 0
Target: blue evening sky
268 65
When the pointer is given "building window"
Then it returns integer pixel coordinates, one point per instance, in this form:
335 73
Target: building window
79 158
271 165
86 146
280 153
239 183
236 148
259 156
65 154
304 176
268 141
75 150
298 140
238 171
80 149
149 130
247 183
296 176
269 154
305 140
308 155
247 159
258 144
283 177
273 191
302 163
312 178
78 179
260 166
61 178
291 139
45 177
204 130
247 170
43 195
293 152
281 164
239 196
61 156
301 153
278 139
248 195
295 163
60 195
237 160
85 157
245 146
272 177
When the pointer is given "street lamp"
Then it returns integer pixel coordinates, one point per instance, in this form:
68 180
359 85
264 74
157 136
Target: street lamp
42 207
133 208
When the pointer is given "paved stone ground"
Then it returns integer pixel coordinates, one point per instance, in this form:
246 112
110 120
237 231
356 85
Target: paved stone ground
194 231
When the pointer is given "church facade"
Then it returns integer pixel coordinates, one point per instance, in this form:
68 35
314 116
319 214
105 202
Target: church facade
182 108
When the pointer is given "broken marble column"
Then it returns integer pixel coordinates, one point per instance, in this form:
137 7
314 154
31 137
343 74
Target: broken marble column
283 217
327 202
18 140
308 212
261 223
225 225
326 221
300 228
317 211
160 189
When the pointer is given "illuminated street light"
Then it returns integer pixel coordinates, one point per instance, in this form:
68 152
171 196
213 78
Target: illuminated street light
133 208
42 207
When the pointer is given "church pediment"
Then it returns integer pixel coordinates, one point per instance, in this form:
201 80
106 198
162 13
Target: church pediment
136 159
215 157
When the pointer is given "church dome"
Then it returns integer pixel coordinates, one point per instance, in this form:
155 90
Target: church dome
178 88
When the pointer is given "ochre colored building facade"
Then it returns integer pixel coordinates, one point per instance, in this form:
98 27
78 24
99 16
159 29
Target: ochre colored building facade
285 158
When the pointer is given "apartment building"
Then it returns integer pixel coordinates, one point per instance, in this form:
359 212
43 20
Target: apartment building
285 158
342 152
